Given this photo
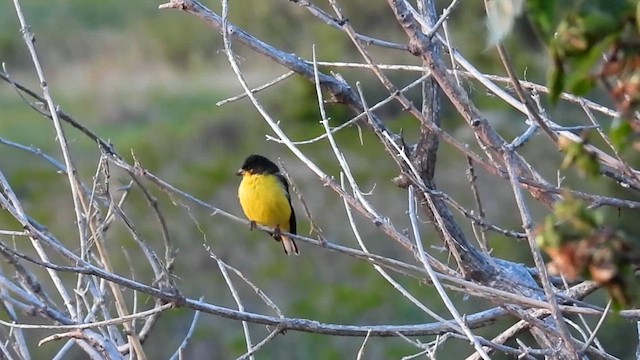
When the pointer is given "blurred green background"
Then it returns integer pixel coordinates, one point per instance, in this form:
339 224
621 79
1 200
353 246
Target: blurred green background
148 80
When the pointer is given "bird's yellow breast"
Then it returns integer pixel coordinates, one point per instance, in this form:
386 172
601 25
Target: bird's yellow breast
263 200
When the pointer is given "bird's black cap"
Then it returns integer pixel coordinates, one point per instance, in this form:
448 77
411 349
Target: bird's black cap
257 164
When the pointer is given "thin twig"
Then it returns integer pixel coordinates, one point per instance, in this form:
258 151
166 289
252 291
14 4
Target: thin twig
537 257
594 333
74 183
471 176
187 337
278 330
95 324
257 89
443 295
234 292
361 350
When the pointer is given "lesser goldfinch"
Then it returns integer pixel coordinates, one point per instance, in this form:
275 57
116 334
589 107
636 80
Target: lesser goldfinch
265 200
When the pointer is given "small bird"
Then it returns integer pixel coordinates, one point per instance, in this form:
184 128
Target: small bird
265 200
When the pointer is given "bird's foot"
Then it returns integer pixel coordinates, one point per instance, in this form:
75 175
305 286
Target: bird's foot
252 225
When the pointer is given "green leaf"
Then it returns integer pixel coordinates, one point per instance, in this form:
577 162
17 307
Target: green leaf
548 236
638 15
584 160
588 164
619 133
581 78
555 80
598 24
543 14
570 37
580 84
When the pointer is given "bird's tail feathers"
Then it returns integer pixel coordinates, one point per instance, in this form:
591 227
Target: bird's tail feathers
289 245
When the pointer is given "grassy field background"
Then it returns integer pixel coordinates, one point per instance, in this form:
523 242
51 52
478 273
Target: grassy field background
149 80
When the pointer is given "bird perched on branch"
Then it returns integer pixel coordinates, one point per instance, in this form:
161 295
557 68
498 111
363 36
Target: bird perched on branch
265 200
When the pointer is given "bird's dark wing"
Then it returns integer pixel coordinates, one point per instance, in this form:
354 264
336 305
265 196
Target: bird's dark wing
285 186
292 220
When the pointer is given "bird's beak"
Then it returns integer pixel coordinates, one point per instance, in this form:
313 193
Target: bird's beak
240 172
